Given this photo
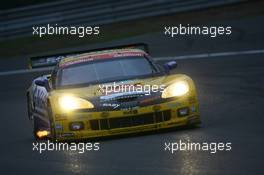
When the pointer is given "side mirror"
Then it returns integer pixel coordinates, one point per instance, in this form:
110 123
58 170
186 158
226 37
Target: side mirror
43 83
170 65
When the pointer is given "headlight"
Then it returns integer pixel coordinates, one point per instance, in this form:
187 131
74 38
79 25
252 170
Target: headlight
176 89
69 103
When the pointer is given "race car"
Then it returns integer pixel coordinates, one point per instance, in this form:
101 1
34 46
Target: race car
108 92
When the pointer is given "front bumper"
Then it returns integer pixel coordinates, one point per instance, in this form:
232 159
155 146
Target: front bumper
154 117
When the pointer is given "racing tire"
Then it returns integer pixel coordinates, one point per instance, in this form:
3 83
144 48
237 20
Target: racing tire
52 135
35 127
34 120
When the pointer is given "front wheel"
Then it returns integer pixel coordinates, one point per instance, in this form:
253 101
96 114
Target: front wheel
52 134
36 128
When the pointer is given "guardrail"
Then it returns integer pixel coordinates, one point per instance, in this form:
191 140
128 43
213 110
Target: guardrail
19 22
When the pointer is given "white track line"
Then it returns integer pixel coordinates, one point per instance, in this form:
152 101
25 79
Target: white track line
212 55
194 56
23 71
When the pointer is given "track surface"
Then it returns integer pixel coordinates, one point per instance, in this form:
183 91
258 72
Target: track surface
231 91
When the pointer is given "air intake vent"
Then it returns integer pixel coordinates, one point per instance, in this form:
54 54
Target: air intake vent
122 122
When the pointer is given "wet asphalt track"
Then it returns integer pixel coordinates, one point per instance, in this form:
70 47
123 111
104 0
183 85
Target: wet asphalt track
231 95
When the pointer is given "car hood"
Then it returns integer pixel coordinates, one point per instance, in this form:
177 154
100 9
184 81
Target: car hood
100 89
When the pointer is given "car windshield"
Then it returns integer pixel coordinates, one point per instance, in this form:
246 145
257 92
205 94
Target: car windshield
107 70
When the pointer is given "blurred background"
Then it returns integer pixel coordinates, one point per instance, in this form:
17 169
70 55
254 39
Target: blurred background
125 22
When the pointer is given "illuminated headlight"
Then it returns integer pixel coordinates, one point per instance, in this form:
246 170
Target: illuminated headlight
69 103
176 89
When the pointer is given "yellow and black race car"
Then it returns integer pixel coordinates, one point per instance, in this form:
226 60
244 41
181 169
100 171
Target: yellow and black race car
108 92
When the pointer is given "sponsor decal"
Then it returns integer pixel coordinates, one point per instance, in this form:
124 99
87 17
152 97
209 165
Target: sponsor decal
119 96
66 134
129 54
91 57
130 111
114 105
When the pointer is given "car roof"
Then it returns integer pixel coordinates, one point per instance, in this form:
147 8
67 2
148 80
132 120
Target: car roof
99 55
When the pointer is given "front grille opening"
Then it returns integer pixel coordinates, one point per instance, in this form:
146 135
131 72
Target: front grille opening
126 99
104 124
94 124
122 122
